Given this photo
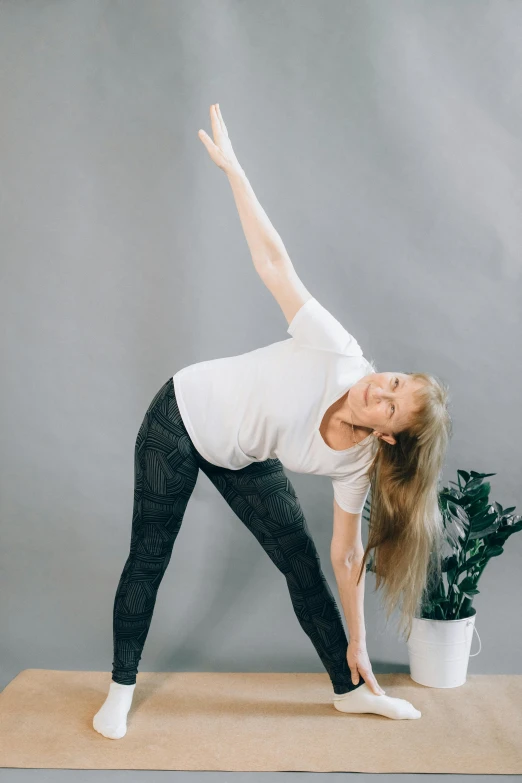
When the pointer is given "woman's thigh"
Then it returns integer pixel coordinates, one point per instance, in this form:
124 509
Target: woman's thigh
263 497
165 470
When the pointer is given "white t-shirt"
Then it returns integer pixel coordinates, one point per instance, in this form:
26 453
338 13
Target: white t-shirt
270 402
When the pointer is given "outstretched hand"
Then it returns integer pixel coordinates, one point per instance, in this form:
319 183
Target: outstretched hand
220 150
359 663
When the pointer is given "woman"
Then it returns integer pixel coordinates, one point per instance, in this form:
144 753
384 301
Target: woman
317 403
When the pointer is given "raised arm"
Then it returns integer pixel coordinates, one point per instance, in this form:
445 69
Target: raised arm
272 262
268 252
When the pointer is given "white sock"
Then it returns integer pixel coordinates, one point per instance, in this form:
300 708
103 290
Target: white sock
111 718
363 699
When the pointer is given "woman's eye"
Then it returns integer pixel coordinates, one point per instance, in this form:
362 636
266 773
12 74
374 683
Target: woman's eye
393 406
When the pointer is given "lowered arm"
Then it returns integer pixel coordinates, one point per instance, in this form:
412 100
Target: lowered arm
346 553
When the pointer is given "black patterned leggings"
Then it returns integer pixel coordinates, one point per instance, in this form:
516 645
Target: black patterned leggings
166 468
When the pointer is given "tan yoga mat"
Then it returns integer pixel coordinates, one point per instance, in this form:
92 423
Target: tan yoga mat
260 722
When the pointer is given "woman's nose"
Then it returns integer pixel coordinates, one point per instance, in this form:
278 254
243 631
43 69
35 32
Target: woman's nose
383 394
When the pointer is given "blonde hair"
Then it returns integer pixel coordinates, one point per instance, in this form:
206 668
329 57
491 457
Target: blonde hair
406 525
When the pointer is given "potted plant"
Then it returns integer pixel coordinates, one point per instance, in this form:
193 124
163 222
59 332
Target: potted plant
475 530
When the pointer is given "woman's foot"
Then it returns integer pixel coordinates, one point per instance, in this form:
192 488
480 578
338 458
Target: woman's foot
111 718
362 699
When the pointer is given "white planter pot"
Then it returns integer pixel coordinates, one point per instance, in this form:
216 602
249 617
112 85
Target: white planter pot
439 651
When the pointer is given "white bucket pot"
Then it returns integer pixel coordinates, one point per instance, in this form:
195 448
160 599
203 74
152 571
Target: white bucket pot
439 651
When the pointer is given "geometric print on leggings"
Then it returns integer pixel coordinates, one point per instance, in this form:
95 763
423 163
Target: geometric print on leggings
165 473
261 495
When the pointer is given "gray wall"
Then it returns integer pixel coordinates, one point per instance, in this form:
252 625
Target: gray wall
383 140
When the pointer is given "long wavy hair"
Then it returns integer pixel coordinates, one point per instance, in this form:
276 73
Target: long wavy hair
406 528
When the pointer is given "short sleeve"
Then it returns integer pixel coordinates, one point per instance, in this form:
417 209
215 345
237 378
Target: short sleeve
351 494
315 327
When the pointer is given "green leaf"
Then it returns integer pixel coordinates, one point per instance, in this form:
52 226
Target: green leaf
494 551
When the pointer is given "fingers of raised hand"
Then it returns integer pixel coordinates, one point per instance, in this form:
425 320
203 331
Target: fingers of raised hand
218 128
207 141
221 120
214 121
213 150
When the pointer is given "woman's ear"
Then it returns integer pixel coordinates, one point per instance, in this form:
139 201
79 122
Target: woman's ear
388 438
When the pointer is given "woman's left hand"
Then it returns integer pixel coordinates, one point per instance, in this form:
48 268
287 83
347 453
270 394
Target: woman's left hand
220 150
359 663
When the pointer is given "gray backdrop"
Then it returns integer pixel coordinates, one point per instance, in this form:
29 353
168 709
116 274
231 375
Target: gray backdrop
383 141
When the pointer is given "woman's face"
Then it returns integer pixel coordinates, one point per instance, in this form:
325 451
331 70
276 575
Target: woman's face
389 405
